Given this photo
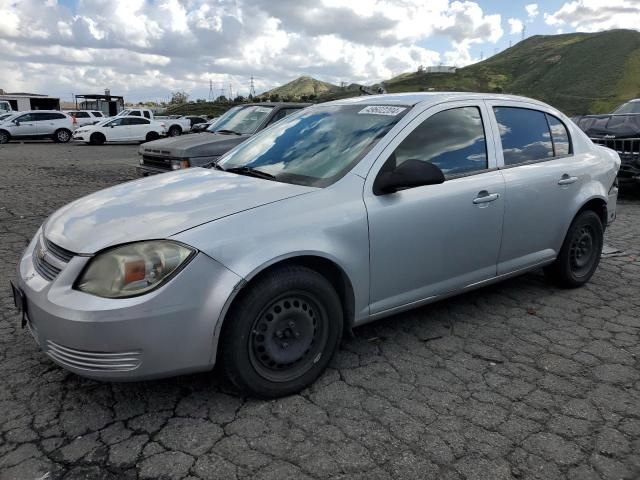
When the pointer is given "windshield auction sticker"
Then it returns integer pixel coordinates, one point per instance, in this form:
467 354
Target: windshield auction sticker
382 110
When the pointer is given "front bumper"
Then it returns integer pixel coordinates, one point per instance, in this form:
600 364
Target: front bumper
145 170
166 332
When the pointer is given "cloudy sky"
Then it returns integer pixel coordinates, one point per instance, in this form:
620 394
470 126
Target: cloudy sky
144 49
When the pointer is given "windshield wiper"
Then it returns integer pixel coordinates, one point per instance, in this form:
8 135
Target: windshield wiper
227 131
250 172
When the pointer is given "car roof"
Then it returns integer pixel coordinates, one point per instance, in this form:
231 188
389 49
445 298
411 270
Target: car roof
277 104
42 111
414 98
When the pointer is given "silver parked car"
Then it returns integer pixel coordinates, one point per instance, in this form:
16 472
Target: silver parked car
37 124
337 215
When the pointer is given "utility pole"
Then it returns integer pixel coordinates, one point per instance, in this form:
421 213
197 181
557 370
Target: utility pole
252 88
211 99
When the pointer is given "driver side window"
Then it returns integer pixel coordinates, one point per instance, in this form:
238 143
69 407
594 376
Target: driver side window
454 140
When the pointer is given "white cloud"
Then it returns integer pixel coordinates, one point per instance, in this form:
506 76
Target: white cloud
532 10
145 48
515 26
596 15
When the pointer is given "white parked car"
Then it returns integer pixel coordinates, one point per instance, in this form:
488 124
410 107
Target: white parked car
87 117
175 126
37 124
121 129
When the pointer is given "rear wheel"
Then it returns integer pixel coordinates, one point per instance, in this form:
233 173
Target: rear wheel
174 131
580 253
4 137
97 139
151 136
62 136
280 336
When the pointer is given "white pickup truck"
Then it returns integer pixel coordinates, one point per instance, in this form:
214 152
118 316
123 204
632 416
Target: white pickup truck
174 126
5 107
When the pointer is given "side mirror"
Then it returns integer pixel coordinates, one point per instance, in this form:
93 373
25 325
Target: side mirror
17 123
409 174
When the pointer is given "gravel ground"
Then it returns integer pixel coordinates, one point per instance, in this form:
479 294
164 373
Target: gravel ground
518 380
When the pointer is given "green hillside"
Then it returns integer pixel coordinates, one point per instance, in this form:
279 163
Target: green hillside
303 86
577 73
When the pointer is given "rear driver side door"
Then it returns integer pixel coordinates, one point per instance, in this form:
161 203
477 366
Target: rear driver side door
431 240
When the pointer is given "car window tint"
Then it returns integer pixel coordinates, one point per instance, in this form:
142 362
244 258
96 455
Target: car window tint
454 140
560 136
278 116
97 114
135 113
40 117
25 118
138 121
525 135
147 115
82 115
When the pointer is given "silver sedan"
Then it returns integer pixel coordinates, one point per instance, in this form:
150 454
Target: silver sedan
338 215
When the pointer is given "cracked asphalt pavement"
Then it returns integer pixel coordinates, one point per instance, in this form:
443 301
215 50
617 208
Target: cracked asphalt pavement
519 380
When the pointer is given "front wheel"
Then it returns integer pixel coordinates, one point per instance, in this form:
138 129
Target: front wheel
97 139
580 253
151 136
4 137
62 136
280 336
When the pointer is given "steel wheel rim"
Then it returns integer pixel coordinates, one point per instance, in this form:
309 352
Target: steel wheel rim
583 251
288 336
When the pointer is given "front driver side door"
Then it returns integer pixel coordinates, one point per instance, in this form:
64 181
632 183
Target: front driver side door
28 126
118 130
431 240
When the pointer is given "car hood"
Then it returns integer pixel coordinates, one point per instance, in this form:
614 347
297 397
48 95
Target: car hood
203 144
614 125
159 206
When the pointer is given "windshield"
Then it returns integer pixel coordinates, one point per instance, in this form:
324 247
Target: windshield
5 116
629 107
316 146
223 117
241 120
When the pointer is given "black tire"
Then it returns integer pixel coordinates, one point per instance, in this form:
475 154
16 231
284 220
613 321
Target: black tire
4 137
580 253
174 131
62 135
97 139
151 136
282 333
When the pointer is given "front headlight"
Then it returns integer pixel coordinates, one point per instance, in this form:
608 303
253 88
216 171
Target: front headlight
133 269
180 164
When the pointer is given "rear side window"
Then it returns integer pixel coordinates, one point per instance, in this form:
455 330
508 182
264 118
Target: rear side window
97 114
560 137
454 140
147 115
525 135
134 113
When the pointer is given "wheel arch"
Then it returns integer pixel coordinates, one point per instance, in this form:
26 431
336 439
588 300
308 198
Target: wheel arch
7 132
325 266
597 205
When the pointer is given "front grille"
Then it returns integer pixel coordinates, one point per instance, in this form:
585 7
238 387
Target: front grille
629 151
44 268
157 162
94 361
49 259
62 253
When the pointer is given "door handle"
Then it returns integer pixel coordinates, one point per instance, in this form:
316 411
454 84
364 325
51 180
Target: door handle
567 180
486 197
